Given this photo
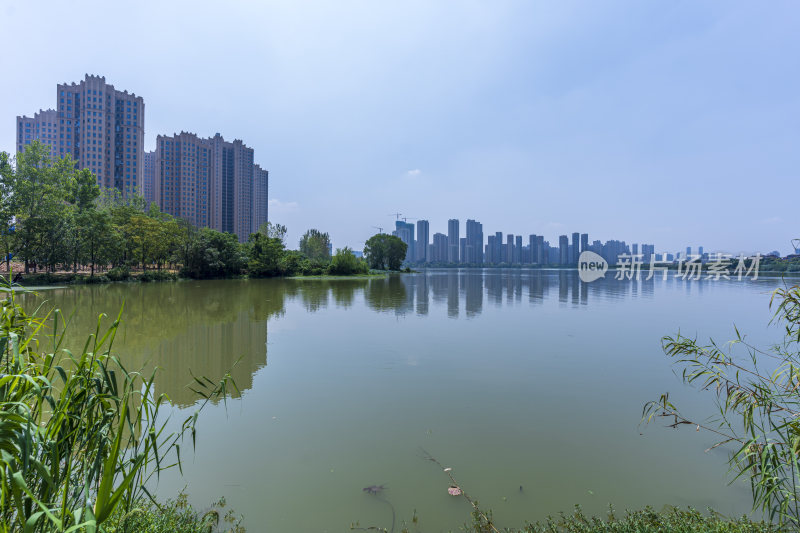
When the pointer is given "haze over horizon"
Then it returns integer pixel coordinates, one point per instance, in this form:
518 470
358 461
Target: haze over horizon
667 123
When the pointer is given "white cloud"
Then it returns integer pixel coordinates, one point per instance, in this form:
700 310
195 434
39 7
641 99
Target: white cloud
277 206
414 173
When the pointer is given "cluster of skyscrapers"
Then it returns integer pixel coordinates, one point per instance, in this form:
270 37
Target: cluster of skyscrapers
510 249
208 181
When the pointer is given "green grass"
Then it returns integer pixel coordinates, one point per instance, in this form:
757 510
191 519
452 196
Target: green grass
648 520
176 516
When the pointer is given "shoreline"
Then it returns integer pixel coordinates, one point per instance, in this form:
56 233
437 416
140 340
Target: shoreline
153 276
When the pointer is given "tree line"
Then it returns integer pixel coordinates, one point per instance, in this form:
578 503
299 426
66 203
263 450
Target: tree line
55 218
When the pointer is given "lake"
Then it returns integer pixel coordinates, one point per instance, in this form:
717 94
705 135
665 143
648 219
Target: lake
528 383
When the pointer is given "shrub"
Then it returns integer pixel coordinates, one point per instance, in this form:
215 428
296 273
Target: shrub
157 275
175 516
345 263
120 273
292 262
214 254
91 280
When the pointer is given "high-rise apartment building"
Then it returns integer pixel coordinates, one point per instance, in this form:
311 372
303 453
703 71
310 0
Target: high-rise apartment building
452 240
440 248
534 251
42 126
260 197
563 250
184 168
405 232
518 249
648 251
100 127
541 250
584 242
149 176
576 248
423 238
474 245
510 248
211 183
490 250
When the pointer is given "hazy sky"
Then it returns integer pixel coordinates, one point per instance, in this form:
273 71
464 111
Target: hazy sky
668 122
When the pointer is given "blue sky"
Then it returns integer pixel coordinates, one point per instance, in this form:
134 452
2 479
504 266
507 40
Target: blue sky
669 122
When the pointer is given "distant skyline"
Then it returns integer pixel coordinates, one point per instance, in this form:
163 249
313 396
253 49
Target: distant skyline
667 123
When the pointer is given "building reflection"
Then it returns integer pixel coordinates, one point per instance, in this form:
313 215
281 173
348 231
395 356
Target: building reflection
213 327
181 328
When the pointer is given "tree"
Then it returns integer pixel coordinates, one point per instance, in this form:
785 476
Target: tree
265 254
98 235
214 254
38 187
6 206
82 191
316 245
758 400
147 236
345 263
276 231
385 252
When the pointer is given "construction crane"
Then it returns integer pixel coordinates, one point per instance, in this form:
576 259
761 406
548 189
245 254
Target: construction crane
395 215
406 219
380 229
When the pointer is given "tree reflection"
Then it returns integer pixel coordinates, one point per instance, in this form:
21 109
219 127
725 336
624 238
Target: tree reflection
207 328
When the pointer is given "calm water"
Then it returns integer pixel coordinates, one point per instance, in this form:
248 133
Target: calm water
514 378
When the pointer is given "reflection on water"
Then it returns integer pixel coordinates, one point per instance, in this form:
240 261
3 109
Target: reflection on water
512 376
208 328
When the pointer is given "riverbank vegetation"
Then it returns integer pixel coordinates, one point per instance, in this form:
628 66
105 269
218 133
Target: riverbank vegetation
757 393
55 220
81 435
385 252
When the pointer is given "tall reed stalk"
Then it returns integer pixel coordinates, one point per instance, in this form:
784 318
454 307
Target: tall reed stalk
757 392
81 436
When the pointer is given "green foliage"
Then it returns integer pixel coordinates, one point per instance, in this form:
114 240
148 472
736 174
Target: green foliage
345 263
384 252
273 231
315 245
38 189
265 255
758 399
175 516
121 273
214 254
157 275
64 222
776 264
81 435
293 262
644 521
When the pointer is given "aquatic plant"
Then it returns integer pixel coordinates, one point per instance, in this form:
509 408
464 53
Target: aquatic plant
80 434
758 400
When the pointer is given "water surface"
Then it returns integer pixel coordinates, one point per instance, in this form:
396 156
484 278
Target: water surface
517 379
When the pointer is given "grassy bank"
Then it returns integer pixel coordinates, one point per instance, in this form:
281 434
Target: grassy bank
81 278
176 516
648 520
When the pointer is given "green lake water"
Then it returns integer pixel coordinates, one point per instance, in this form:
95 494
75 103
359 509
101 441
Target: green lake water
528 383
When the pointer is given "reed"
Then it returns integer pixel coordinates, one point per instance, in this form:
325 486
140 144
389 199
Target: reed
81 435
